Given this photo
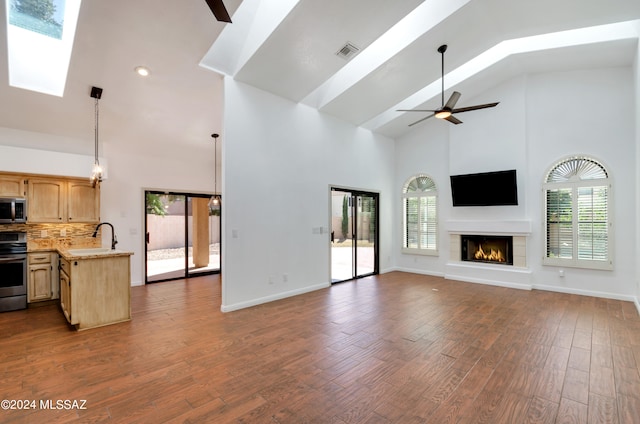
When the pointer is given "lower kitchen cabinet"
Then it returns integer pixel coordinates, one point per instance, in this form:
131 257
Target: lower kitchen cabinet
43 277
95 291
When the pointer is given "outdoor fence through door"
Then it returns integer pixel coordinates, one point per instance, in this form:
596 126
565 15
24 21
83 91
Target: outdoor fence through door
354 234
182 236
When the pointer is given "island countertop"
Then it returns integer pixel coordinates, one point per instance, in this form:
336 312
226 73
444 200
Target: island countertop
75 253
91 253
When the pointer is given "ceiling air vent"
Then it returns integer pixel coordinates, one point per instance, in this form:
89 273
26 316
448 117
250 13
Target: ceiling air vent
347 51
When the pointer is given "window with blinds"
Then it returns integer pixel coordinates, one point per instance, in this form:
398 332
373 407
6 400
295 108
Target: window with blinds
577 193
420 224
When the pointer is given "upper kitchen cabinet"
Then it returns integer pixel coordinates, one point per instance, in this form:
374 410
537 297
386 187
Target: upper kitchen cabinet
62 200
83 201
12 186
46 200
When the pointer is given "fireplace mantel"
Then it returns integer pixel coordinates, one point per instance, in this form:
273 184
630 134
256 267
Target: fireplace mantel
516 276
512 227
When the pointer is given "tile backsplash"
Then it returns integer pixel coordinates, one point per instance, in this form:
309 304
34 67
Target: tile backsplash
52 235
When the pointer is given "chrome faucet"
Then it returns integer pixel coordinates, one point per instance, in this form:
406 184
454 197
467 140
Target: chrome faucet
114 239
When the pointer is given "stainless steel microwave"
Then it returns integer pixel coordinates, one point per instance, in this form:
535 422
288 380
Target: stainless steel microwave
13 210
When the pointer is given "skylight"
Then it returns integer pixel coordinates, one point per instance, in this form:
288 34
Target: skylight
40 37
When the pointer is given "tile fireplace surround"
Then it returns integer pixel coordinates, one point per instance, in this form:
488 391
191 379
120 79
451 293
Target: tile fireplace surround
517 275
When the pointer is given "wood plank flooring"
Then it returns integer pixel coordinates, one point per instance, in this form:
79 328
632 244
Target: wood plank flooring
395 348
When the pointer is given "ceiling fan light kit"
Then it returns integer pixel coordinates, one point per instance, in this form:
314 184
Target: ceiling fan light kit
447 110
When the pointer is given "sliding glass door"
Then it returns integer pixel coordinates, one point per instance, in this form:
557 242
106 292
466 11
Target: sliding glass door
182 236
354 234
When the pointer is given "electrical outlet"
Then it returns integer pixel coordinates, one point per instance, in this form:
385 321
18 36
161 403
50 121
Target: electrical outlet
63 232
44 233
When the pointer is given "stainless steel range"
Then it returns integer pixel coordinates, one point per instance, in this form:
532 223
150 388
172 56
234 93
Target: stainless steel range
13 271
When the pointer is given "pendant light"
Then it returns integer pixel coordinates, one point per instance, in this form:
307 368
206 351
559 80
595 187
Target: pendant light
96 172
215 200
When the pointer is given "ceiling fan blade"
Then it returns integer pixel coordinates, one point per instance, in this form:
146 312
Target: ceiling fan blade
452 100
416 110
219 11
476 107
420 120
453 119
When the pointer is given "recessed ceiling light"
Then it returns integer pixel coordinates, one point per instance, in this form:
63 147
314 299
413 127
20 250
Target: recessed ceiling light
142 71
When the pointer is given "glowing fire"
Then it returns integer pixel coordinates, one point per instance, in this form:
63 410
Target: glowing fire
493 255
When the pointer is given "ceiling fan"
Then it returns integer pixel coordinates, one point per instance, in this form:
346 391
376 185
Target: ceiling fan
219 11
447 110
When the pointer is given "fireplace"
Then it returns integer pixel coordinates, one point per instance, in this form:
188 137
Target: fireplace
487 249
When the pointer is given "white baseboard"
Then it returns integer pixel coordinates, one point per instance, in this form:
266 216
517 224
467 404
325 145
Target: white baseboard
637 302
388 270
419 271
271 298
592 293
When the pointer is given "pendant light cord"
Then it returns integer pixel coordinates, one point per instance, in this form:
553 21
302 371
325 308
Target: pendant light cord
215 166
442 68
96 133
215 198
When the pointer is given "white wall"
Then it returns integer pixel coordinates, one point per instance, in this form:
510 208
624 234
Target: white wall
423 151
566 116
541 119
27 152
279 160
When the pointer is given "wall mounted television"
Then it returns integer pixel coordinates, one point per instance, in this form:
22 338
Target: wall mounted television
498 188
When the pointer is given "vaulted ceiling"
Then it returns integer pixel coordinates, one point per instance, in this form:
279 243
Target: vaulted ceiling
289 48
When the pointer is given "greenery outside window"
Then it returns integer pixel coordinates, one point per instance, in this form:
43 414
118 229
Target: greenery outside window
577 214
420 216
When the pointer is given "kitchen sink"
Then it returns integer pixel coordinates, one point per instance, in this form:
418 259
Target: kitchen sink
92 251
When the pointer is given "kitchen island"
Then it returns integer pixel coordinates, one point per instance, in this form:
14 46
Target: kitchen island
95 286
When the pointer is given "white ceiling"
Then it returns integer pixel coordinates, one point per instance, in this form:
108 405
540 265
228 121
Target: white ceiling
288 48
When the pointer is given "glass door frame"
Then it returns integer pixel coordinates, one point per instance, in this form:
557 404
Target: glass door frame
355 194
187 273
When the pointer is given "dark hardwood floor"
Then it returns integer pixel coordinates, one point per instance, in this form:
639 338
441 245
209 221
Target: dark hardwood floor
396 348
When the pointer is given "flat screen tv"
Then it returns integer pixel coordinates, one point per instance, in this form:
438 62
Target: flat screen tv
497 188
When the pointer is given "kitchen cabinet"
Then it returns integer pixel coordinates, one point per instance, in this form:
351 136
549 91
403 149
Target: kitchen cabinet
62 200
83 202
12 186
46 200
42 278
95 290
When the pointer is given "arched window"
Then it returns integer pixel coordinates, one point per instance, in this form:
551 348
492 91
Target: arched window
577 217
420 216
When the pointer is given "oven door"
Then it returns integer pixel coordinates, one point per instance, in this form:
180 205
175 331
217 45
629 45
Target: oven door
13 269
